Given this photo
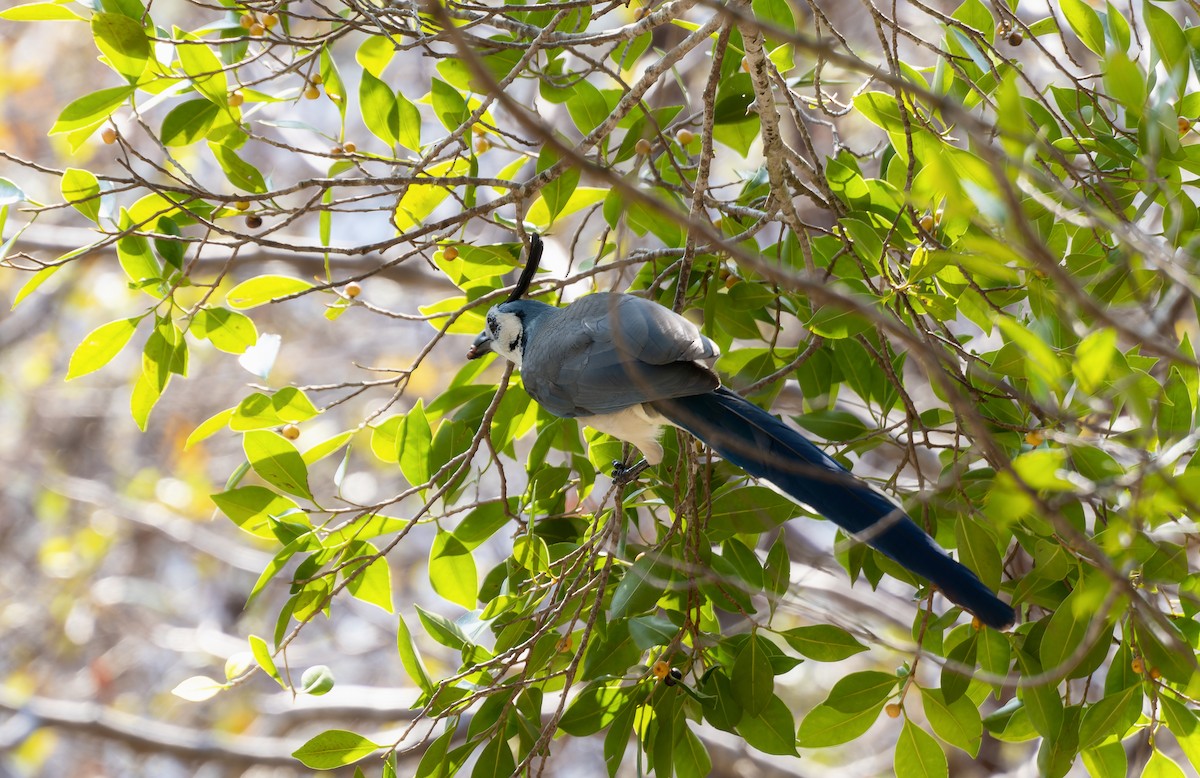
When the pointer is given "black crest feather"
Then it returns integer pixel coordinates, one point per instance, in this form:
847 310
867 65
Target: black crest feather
531 265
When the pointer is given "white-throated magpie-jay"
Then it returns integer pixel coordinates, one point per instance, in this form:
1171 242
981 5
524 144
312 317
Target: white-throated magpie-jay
628 366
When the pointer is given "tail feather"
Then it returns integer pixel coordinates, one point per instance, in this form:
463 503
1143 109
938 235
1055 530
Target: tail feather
766 448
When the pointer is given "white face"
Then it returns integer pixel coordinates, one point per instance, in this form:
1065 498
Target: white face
505 331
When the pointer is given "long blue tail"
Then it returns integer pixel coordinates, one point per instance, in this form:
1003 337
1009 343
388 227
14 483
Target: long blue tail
765 447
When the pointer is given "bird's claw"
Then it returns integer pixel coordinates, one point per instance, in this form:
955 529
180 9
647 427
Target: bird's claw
623 474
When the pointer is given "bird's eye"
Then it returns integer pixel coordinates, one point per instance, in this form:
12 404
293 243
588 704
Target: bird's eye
512 346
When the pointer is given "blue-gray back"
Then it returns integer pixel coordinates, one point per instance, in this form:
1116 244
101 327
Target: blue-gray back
608 351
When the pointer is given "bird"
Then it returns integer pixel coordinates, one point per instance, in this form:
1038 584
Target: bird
630 367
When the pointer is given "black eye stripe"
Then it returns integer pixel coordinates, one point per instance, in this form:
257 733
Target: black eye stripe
512 346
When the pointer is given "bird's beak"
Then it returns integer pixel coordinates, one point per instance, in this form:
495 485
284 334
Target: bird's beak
481 346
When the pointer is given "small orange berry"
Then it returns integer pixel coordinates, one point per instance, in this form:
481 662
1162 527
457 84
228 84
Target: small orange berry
235 99
269 20
254 221
482 145
291 431
349 147
1015 38
450 253
336 150
1035 438
660 669
108 135
256 30
642 147
1155 673
685 136
241 205
1185 124
927 222
353 289
893 710
247 21
1138 666
976 624
311 92
316 78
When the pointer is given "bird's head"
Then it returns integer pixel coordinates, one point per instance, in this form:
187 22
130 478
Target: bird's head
508 327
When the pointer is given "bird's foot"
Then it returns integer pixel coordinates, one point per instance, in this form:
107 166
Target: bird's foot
623 474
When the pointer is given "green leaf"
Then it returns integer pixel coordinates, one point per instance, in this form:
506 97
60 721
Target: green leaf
421 197
1065 633
81 189
748 509
1086 24
261 290
372 582
1111 716
1184 725
593 709
40 12
262 655
452 570
277 462
375 53
145 395
209 427
448 105
334 748
335 88
91 109
691 759
229 331
836 322
380 111
1106 761
1094 356
123 42
442 630
587 106
825 725
1041 362
188 122
495 760
254 508
258 411
138 261
918 755
833 425
414 439
240 173
773 731
409 133
1167 36
823 642
531 553
752 678
35 280
203 68
957 723
100 346
410 657
1175 412
641 586
861 691
1162 766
